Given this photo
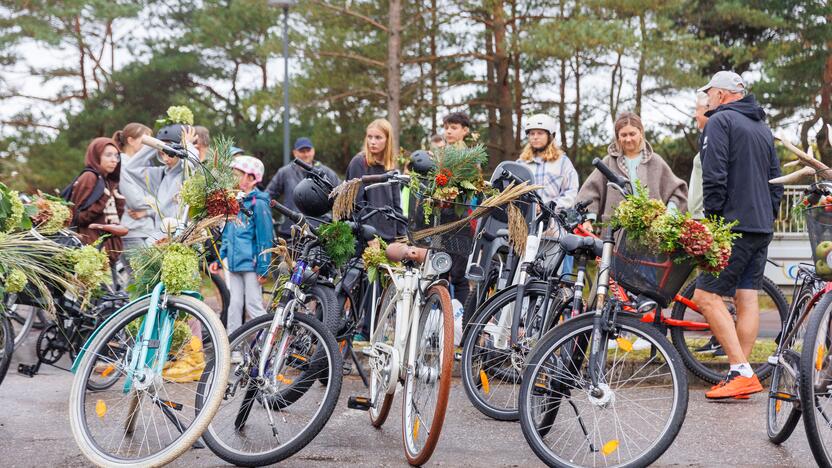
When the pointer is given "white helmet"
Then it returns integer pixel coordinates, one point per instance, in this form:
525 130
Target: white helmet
541 122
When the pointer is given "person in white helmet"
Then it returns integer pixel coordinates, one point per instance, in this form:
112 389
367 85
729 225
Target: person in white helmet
551 167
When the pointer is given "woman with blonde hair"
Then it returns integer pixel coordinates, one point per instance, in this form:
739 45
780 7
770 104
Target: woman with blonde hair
377 157
631 157
551 167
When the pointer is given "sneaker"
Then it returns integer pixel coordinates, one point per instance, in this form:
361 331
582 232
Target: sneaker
712 346
735 386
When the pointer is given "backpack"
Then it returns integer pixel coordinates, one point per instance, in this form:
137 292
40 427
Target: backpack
97 192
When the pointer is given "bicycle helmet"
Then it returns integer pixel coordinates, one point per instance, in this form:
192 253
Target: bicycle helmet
421 162
249 165
236 151
170 133
541 122
311 198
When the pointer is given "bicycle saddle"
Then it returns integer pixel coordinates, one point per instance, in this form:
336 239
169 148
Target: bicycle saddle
397 252
115 229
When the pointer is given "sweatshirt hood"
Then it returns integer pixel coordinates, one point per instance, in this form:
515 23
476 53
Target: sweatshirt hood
746 106
93 157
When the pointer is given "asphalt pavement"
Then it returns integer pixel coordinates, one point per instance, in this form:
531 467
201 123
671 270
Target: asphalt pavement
34 431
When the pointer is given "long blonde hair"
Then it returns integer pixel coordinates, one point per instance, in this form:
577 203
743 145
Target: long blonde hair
550 153
387 159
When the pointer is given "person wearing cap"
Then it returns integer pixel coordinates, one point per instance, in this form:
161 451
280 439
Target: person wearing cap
738 159
245 244
288 177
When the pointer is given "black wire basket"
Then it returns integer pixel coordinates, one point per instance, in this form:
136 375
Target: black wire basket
819 224
458 241
657 276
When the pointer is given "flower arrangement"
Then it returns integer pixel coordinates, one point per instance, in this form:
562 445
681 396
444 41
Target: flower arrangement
12 211
455 179
374 256
213 192
647 222
51 214
175 264
176 115
338 241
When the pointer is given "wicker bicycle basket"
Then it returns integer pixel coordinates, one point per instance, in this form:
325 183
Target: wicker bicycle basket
819 224
640 271
458 241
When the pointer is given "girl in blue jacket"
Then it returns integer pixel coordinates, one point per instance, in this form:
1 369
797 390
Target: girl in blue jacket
244 242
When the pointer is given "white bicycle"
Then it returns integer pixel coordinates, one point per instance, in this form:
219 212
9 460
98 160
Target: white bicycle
411 341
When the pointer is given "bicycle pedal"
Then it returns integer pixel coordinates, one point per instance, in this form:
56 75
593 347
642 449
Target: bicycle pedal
359 403
27 370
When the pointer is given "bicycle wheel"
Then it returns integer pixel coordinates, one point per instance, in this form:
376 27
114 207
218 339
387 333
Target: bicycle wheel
698 347
152 420
783 408
250 431
485 289
427 387
22 318
638 413
384 366
6 345
815 382
491 368
223 296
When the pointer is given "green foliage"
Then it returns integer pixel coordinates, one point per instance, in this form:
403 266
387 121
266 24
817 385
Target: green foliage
90 266
180 269
338 241
637 212
15 281
374 257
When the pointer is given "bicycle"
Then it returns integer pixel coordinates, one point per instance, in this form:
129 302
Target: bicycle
277 359
411 337
147 419
603 390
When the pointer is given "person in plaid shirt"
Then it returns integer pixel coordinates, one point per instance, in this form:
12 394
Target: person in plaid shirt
551 167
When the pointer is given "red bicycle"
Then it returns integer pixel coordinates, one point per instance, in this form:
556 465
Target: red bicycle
691 334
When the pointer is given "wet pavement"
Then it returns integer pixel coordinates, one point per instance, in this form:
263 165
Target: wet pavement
34 431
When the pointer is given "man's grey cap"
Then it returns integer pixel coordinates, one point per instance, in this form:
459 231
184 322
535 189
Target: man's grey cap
726 80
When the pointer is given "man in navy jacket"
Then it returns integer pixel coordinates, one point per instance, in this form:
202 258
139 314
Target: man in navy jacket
738 159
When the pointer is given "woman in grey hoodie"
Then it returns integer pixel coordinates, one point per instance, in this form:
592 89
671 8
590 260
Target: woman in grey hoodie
164 182
138 216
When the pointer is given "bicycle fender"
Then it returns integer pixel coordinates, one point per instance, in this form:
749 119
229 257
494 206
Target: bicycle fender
83 350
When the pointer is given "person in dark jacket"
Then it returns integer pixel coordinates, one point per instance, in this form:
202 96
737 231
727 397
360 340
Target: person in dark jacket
102 161
378 158
738 159
288 177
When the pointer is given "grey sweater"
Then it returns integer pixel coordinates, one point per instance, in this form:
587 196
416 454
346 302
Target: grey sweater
137 193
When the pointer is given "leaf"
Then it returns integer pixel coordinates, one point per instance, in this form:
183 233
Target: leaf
467 185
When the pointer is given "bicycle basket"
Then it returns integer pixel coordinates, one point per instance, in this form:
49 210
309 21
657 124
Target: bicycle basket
458 241
657 276
819 224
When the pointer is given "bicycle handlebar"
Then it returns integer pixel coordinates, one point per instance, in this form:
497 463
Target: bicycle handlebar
303 165
611 176
164 147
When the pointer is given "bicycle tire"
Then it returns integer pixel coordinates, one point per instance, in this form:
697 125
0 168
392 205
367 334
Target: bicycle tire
225 296
6 345
693 364
410 430
472 306
814 367
24 320
472 380
288 448
380 411
575 329
211 326
780 427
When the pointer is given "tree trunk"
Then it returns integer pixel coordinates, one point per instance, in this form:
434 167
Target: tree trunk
434 88
518 88
641 64
82 62
491 101
577 123
562 110
825 111
394 44
503 86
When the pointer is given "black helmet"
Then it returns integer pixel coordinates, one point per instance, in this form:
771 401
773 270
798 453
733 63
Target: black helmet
421 162
311 198
170 133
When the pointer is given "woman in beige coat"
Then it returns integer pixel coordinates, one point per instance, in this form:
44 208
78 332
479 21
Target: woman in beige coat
632 157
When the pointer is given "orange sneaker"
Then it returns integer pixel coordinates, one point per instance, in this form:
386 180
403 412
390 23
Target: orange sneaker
735 386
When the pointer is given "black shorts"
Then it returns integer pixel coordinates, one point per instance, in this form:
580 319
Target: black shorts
745 269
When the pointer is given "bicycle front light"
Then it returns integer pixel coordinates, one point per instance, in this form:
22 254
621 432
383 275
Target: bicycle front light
440 262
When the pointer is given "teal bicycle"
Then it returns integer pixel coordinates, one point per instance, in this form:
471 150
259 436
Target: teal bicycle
150 415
